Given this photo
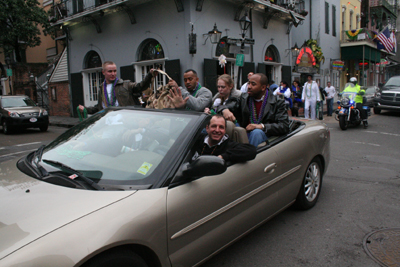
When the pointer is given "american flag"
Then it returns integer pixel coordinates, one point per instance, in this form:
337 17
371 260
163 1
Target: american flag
384 38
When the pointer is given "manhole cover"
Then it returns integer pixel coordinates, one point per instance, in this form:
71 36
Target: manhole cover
384 246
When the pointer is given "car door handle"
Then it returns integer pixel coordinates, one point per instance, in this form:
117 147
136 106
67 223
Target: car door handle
270 168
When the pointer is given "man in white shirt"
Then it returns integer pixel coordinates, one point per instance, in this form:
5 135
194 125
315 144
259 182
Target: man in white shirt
244 86
310 96
331 91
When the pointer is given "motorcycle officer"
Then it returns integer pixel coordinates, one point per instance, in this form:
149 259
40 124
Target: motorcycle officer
355 88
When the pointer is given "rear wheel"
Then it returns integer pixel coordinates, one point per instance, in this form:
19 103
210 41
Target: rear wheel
343 123
377 111
311 186
119 257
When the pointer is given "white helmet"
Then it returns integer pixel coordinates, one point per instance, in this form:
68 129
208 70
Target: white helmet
353 79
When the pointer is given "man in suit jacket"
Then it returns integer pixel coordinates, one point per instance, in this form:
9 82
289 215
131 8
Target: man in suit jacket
261 113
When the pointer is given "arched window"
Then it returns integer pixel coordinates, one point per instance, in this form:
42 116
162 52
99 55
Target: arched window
152 53
150 49
223 48
92 60
271 54
92 77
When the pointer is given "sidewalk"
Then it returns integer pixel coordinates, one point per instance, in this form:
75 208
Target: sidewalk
69 122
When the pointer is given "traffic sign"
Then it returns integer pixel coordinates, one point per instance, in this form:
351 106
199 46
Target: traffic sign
9 72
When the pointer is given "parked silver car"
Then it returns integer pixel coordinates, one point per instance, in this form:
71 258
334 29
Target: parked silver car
370 92
120 189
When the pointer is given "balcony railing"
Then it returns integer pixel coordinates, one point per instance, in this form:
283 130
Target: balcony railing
67 8
383 3
359 35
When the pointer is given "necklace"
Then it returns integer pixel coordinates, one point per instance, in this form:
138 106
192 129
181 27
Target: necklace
252 107
114 97
197 89
205 147
309 88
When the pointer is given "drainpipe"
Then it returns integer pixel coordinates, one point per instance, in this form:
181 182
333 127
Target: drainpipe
310 19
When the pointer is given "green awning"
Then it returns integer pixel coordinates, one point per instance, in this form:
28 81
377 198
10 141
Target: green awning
356 52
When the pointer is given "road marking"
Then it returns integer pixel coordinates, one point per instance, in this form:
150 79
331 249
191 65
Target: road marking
18 153
2 148
27 144
392 134
363 143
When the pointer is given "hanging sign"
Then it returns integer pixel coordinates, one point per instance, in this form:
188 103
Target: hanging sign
9 72
338 65
239 60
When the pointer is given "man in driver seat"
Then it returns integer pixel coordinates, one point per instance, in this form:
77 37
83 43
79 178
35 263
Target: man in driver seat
217 143
355 88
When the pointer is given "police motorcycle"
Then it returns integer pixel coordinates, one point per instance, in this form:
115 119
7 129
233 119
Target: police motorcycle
347 113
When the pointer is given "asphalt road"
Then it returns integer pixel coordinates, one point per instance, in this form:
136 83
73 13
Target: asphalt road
360 194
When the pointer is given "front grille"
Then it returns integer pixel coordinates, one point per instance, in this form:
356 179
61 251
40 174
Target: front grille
391 97
30 114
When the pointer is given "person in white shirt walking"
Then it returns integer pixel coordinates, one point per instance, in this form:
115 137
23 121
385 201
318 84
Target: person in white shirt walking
331 91
310 97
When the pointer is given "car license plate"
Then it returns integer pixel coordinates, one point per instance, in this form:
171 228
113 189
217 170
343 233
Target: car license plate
33 120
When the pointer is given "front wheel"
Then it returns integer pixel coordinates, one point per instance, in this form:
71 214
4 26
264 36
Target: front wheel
343 123
377 111
44 128
6 128
311 186
118 257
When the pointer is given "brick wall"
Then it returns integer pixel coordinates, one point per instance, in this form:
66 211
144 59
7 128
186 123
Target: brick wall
60 103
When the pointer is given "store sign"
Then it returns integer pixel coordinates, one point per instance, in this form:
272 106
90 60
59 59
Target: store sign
338 65
9 72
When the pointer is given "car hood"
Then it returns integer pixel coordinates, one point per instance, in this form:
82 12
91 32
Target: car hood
391 90
24 109
31 208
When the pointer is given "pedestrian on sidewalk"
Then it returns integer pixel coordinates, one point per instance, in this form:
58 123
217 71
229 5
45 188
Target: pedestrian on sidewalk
310 96
331 92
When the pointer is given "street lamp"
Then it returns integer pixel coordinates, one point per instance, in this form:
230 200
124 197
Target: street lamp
295 50
214 35
245 23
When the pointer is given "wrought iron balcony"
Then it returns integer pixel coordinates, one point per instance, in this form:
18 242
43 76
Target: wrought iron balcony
374 4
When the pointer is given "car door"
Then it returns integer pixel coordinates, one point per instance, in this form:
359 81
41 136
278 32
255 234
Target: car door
208 213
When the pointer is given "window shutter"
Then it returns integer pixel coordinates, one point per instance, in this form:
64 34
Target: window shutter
333 20
247 67
127 73
76 91
326 17
173 69
210 75
261 68
287 74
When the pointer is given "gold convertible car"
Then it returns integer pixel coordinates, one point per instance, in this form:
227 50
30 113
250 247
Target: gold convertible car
120 189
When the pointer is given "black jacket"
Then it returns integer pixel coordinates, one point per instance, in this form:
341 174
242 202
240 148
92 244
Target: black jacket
230 150
275 117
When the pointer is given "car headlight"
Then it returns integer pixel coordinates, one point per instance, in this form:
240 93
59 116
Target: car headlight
13 114
44 113
378 95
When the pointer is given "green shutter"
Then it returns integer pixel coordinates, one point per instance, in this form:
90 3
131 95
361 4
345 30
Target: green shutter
127 73
333 20
210 75
76 91
173 69
326 17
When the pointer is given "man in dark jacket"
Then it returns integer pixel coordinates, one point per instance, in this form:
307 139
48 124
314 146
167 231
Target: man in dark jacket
261 113
217 143
117 92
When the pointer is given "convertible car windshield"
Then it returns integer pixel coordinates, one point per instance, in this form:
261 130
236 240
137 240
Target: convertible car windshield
117 146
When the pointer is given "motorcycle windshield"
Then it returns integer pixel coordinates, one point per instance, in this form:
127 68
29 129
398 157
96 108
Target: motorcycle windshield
349 95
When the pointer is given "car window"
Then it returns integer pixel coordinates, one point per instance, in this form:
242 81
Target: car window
370 90
122 146
12 102
393 82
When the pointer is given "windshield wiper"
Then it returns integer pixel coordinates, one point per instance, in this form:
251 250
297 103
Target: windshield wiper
80 175
38 154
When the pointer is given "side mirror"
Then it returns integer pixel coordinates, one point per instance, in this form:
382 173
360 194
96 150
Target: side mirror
202 166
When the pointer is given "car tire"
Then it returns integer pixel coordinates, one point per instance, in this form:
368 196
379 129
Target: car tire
6 128
311 186
377 111
343 123
119 257
44 128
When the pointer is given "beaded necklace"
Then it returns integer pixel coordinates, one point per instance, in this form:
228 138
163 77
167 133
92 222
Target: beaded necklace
114 97
205 147
252 107
198 86
309 88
